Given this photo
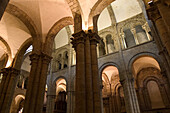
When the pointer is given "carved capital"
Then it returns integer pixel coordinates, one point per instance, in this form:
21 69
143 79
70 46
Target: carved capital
94 37
153 12
4 71
14 71
11 70
34 57
133 30
46 58
78 38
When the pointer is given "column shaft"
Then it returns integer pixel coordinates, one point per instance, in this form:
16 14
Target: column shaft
51 95
13 73
5 86
131 101
88 77
133 30
128 99
34 63
50 103
42 82
95 75
2 84
80 98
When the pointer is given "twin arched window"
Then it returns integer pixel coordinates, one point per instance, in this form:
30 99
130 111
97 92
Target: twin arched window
135 36
106 45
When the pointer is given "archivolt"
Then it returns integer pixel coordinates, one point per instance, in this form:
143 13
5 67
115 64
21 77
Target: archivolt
15 11
53 32
6 47
20 54
98 8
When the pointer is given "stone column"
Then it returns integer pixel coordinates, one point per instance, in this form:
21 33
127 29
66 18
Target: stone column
30 96
127 94
130 101
164 9
156 17
36 83
3 82
133 30
50 103
80 96
51 96
134 96
105 44
94 38
88 76
123 39
9 88
146 28
42 82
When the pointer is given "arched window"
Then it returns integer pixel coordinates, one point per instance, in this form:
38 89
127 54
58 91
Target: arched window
129 38
110 43
101 48
61 96
141 34
61 104
26 83
59 62
65 59
155 95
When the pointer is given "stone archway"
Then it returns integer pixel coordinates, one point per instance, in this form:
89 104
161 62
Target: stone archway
147 79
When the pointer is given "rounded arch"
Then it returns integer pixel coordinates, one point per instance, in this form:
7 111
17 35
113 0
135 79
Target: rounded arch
117 86
17 61
58 78
53 32
55 83
15 11
152 78
7 48
99 6
108 64
105 77
153 74
18 98
149 54
131 23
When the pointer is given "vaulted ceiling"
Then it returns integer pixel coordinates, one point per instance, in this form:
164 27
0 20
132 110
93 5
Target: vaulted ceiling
22 17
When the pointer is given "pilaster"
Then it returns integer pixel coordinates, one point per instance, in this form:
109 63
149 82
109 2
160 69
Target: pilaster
131 101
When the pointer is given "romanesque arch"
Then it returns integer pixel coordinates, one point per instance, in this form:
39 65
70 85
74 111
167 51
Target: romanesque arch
53 32
150 84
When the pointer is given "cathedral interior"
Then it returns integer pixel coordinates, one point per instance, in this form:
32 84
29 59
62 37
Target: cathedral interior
85 56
